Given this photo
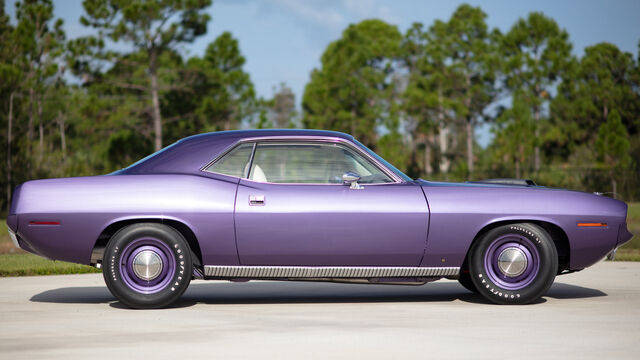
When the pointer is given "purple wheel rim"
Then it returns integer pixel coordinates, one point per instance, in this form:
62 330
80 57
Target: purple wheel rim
156 284
515 241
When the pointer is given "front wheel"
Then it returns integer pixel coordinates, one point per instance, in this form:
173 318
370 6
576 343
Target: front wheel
147 265
513 264
465 280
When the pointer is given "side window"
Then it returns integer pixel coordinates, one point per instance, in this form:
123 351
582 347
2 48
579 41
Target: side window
234 163
311 163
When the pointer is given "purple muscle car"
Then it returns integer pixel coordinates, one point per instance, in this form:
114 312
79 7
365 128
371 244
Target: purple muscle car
308 205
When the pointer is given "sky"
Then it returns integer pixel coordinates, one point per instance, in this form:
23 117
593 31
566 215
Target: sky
283 40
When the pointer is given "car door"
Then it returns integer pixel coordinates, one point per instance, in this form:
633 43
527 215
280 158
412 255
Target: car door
292 208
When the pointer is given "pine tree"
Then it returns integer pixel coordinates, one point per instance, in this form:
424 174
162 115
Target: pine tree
351 92
612 145
151 27
537 53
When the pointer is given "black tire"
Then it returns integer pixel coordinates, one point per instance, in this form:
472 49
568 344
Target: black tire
465 280
157 285
497 278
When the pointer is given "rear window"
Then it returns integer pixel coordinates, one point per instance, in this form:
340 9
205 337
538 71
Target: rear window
233 163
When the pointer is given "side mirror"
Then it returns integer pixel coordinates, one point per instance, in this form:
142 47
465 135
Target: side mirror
351 178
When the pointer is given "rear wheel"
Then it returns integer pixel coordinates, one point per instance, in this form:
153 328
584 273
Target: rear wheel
147 265
513 264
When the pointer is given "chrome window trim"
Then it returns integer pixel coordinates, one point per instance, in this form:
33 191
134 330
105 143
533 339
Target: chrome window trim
376 165
250 163
275 272
327 139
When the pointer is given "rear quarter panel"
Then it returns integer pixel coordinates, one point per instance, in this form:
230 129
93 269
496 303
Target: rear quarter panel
85 206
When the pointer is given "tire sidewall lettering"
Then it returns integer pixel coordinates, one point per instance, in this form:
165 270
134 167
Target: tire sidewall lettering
179 279
543 244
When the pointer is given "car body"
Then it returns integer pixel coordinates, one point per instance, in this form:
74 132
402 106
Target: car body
290 204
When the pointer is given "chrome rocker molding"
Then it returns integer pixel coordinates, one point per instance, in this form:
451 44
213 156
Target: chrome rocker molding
300 272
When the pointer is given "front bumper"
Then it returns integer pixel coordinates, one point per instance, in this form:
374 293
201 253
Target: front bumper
624 235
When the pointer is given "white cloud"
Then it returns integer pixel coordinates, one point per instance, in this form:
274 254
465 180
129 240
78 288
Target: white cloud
335 13
312 11
370 9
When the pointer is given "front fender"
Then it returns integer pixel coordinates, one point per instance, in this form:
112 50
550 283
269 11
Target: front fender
459 213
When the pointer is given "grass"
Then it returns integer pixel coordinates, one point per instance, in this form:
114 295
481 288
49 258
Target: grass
16 262
631 250
6 246
628 255
28 264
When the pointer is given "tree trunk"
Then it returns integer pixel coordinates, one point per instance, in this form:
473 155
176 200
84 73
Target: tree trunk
428 169
518 158
9 135
40 131
353 114
410 130
30 130
536 149
469 126
443 135
353 121
444 148
614 186
157 119
63 141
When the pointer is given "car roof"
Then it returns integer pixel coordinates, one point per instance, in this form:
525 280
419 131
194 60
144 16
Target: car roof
243 134
188 155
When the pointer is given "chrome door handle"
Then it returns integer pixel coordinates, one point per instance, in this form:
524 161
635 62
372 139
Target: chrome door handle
256 200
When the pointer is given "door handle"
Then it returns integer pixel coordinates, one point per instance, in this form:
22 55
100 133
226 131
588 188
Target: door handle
256 200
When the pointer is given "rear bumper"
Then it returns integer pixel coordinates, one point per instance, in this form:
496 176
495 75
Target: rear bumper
14 238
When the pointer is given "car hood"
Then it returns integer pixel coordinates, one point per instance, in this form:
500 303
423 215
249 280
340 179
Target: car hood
423 182
522 198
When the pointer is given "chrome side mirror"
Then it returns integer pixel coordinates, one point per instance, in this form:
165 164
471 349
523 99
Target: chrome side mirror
350 178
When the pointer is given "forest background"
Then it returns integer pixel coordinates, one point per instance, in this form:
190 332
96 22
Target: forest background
94 104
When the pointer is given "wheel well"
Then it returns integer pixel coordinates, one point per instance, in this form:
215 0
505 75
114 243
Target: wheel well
183 229
559 237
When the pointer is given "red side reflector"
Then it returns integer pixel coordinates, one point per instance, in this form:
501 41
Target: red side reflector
592 224
44 222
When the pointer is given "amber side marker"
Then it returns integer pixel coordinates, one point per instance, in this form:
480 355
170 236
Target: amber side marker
44 222
592 224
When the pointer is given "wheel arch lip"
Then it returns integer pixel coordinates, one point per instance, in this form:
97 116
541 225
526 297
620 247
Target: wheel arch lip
518 219
537 220
112 226
585 245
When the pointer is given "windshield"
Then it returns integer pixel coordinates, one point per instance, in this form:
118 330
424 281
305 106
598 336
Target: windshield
384 162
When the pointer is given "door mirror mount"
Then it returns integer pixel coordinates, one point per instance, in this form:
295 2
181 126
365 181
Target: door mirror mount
351 178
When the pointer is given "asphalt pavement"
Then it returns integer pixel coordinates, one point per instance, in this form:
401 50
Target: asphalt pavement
592 314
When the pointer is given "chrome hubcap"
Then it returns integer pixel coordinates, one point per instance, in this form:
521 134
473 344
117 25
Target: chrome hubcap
512 262
147 265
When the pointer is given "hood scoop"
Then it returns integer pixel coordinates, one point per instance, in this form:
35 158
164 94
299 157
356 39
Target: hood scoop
521 182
